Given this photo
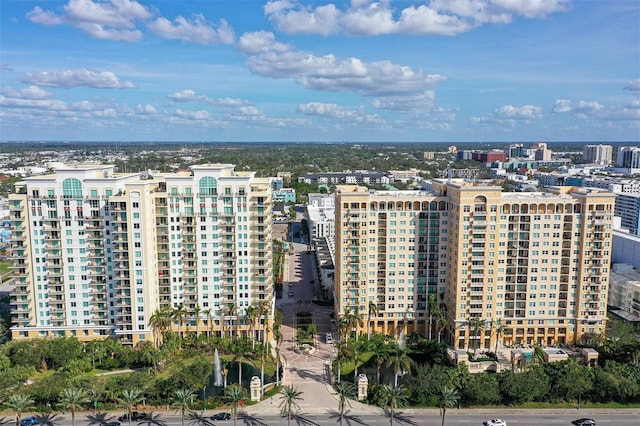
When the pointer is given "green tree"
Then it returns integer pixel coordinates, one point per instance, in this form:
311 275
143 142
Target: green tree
343 352
234 396
441 323
380 357
499 328
181 400
19 403
391 398
289 397
477 325
345 391
73 399
433 306
372 312
400 361
128 400
159 321
178 314
448 399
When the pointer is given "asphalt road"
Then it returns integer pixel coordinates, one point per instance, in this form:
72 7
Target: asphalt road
524 418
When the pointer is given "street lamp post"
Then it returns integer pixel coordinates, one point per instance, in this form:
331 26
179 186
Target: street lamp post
204 398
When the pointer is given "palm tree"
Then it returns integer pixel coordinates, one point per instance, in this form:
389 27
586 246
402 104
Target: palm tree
345 391
196 313
373 311
128 400
400 361
232 310
343 350
159 321
441 323
181 400
251 313
178 314
392 398
71 399
207 315
499 329
234 396
477 325
448 399
19 403
289 397
432 309
240 357
263 309
380 356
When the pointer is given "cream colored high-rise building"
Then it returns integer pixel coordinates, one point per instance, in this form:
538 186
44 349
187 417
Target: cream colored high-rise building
96 253
535 262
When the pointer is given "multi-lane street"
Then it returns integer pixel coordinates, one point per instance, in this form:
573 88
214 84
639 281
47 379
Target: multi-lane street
331 417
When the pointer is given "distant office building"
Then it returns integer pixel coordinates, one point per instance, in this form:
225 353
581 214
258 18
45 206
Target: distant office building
628 157
624 293
277 183
516 151
464 155
597 154
98 252
451 149
628 209
404 175
429 155
351 177
462 173
284 195
542 153
321 215
626 248
489 156
537 261
613 184
324 201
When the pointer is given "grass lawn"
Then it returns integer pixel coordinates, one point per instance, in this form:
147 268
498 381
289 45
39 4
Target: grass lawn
347 367
4 267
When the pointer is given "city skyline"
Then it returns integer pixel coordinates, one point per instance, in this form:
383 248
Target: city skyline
419 71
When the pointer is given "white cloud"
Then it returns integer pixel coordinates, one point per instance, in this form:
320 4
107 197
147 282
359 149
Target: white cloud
328 73
196 30
260 42
633 85
110 20
336 112
189 95
146 109
31 92
369 17
193 115
595 110
77 78
510 115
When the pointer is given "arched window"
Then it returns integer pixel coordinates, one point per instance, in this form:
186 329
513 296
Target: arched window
208 186
71 188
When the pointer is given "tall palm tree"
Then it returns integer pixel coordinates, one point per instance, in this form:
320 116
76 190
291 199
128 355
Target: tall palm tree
448 399
234 396
477 325
373 312
343 351
392 398
207 315
289 397
178 314
128 400
19 403
196 313
181 400
380 357
263 310
432 308
441 323
251 314
72 399
499 329
159 321
232 310
240 357
400 361
345 391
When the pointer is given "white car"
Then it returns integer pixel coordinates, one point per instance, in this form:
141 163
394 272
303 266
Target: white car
495 422
329 338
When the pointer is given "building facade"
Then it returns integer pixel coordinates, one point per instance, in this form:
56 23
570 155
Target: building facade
628 209
628 157
536 261
597 154
97 253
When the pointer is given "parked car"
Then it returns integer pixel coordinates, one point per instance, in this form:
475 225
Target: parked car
136 416
28 421
584 422
290 285
290 294
495 422
221 416
110 424
329 338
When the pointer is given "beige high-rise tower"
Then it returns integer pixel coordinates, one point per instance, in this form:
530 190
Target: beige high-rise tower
97 252
534 263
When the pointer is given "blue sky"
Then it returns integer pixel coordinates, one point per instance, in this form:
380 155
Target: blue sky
360 70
